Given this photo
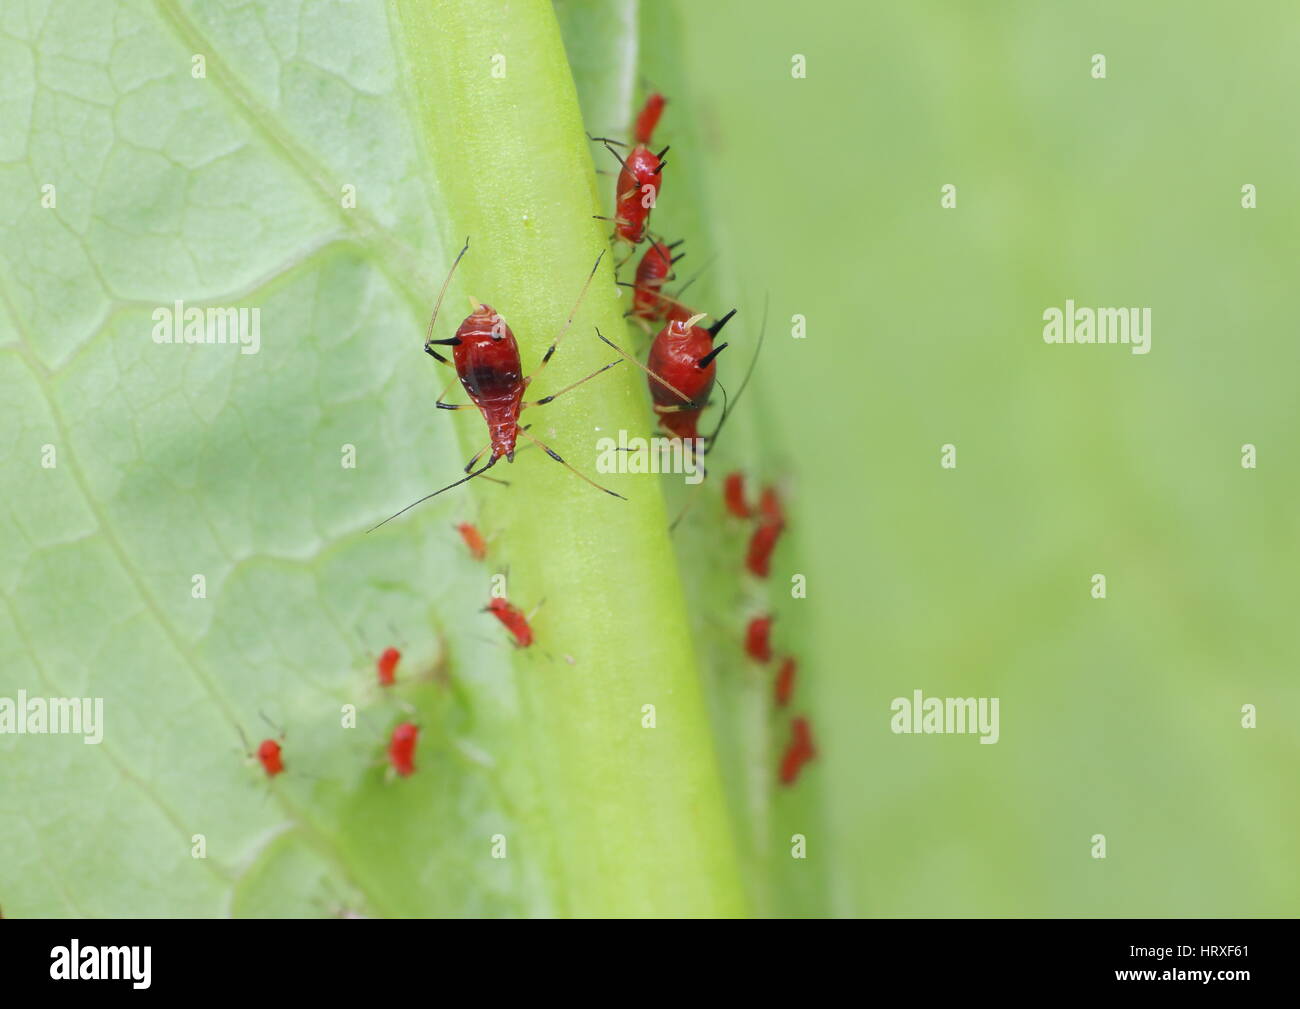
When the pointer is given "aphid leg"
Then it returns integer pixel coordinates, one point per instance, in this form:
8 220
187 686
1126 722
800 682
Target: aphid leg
675 391
567 322
546 399
441 404
616 154
605 140
577 472
428 333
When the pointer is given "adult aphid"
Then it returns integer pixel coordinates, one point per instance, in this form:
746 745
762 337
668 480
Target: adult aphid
474 541
681 372
488 367
649 303
758 639
641 176
513 619
401 749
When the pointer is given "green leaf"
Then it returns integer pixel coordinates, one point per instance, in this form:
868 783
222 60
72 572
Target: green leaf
230 189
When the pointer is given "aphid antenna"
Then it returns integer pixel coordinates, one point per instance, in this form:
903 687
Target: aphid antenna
671 388
696 275
606 140
274 727
611 150
465 479
437 305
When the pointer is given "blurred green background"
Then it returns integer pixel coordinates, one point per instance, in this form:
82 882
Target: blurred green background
1118 716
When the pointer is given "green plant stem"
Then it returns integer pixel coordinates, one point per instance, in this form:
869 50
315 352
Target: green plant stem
632 819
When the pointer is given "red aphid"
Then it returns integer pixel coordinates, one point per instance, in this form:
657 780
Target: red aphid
386 666
270 757
486 359
783 688
798 751
769 507
648 118
401 749
513 619
683 357
648 301
473 540
758 644
639 182
758 558
733 493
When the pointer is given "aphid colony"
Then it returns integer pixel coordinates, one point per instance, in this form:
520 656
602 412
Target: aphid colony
680 370
768 517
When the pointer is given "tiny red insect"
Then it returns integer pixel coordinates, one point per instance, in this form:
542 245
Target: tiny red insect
649 303
473 540
733 493
769 507
798 752
783 688
513 619
758 644
488 367
648 118
386 666
401 749
270 757
758 558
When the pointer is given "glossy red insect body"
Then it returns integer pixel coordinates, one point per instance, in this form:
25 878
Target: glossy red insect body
639 182
386 666
486 359
401 749
474 541
681 372
783 687
758 644
270 757
733 494
798 751
648 118
641 174
648 300
513 619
